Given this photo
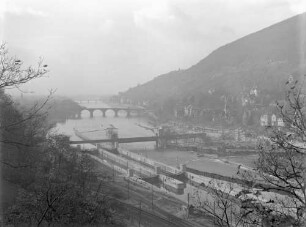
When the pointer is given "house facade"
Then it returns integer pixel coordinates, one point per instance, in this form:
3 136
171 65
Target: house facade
271 120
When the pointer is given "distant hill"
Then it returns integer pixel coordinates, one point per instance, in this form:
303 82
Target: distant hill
263 59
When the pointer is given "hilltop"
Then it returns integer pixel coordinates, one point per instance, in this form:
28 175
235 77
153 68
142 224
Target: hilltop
262 60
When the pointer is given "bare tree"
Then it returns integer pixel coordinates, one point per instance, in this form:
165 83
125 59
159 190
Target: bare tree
66 190
282 163
56 183
21 130
12 74
277 196
224 208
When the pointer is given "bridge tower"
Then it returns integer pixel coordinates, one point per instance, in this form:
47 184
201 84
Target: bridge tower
161 142
112 133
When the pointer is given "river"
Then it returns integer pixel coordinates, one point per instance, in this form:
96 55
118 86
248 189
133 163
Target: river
94 128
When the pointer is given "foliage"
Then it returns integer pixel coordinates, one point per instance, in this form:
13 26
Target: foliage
277 196
281 162
224 209
12 74
63 109
238 66
57 183
21 135
65 190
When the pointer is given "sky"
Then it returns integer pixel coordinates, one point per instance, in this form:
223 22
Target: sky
101 47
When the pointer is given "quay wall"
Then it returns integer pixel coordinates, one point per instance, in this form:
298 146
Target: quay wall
149 162
126 164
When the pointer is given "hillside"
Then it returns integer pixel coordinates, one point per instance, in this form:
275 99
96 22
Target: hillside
263 59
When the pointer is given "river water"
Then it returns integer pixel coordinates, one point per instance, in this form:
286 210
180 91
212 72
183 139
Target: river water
94 128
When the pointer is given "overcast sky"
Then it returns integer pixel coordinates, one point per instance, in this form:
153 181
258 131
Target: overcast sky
107 46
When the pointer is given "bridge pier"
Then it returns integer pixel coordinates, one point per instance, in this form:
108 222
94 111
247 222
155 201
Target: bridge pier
156 145
115 145
161 143
79 116
116 113
128 113
103 113
91 113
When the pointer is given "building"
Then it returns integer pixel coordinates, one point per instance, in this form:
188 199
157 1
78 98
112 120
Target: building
264 120
271 120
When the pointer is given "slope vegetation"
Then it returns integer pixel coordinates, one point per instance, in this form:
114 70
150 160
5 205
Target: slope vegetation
263 59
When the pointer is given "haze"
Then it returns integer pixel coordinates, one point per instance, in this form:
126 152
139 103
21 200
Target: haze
103 47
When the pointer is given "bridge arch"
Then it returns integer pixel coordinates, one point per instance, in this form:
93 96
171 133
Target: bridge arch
98 112
110 112
123 112
85 112
134 112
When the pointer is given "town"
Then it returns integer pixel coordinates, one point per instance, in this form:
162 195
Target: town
167 113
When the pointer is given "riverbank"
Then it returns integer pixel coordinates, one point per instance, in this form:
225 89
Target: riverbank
135 127
231 152
207 163
151 199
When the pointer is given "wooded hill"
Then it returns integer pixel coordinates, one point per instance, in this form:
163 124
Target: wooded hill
264 60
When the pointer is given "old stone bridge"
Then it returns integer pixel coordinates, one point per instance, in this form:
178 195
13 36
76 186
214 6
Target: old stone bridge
128 110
